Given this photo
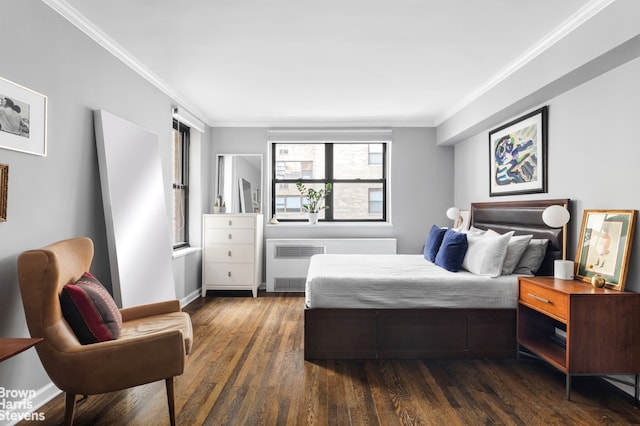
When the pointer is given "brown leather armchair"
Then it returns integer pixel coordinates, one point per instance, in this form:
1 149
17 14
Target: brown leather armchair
153 344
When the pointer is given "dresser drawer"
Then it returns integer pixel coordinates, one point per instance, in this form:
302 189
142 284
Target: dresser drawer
544 299
229 236
232 253
228 274
228 222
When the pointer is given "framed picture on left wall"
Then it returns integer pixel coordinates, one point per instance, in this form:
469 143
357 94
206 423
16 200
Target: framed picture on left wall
23 119
4 189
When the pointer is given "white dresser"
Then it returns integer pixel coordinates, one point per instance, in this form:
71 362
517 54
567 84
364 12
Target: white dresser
232 252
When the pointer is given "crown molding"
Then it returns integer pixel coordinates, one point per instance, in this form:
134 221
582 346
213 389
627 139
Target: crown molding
322 124
584 14
72 15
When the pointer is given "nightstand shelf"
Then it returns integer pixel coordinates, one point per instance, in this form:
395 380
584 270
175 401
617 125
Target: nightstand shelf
601 327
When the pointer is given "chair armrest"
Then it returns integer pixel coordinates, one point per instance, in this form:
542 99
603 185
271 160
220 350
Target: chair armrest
150 309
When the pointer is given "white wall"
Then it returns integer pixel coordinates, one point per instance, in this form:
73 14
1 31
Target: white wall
58 196
592 158
421 186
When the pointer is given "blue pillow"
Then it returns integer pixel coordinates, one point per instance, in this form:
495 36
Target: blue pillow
434 239
451 254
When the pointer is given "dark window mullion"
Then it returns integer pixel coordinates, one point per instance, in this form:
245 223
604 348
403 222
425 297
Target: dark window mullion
329 178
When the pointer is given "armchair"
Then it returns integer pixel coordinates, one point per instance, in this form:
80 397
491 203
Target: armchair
153 344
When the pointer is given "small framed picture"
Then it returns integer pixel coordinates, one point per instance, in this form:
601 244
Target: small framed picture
605 245
517 155
464 219
4 189
23 119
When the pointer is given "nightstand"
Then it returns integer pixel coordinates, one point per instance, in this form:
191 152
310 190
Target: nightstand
13 346
579 329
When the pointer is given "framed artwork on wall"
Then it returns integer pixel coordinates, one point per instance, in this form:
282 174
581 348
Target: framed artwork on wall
4 189
23 119
605 245
518 155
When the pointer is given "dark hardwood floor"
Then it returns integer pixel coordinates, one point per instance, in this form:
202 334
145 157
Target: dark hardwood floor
247 368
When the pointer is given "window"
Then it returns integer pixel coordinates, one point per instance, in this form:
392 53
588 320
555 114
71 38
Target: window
375 154
375 201
180 184
357 172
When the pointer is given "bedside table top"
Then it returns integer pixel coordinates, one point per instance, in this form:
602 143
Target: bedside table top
570 286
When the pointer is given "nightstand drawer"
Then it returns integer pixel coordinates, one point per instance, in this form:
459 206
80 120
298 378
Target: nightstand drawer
544 299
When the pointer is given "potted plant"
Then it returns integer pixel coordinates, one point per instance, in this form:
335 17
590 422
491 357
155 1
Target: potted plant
314 200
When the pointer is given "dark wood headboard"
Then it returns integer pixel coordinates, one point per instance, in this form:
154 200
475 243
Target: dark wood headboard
523 217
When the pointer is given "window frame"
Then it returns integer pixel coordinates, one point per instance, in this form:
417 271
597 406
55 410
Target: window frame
183 185
330 178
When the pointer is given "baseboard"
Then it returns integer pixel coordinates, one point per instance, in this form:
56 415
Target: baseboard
190 298
32 405
623 382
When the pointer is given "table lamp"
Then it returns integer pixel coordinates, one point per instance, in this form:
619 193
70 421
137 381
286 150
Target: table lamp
453 213
558 216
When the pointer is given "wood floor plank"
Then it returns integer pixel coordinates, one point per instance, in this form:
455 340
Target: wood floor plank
247 368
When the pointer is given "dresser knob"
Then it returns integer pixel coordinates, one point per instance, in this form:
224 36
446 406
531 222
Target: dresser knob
229 236
229 273
230 222
229 253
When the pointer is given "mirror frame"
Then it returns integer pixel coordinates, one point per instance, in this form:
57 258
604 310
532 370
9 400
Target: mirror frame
233 208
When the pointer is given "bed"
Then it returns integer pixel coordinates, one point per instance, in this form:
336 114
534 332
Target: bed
345 324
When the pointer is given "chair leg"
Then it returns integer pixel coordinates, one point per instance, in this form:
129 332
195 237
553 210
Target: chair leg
171 401
70 405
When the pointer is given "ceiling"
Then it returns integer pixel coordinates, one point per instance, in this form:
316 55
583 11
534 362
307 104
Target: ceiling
330 62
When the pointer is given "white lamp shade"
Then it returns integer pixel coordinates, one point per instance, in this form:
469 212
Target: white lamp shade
453 213
556 216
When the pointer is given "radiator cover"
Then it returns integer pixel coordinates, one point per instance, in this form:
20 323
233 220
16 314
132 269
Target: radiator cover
287 260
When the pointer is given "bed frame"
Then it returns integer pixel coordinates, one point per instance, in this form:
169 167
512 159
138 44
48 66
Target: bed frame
435 333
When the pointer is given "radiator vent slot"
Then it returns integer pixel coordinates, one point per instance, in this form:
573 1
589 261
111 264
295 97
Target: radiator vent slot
297 252
289 284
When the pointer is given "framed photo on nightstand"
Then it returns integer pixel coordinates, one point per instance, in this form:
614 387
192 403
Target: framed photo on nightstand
605 245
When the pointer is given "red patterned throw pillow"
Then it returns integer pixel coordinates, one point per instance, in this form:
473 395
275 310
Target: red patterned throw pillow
90 310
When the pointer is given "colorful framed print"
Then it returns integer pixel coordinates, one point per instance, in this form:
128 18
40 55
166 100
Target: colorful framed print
23 119
517 155
604 246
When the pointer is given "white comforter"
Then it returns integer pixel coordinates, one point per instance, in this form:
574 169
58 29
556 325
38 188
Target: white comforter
401 281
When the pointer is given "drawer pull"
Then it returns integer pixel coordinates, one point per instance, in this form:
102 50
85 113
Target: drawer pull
230 222
229 236
543 300
229 273
229 253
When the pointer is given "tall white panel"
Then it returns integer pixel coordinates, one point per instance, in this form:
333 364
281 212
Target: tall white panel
138 230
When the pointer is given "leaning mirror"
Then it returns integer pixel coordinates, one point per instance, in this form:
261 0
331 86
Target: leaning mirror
239 183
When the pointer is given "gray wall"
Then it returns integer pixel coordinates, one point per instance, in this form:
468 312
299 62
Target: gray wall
421 186
592 154
58 196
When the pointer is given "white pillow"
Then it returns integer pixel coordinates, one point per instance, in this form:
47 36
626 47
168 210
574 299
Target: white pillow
476 231
515 249
485 254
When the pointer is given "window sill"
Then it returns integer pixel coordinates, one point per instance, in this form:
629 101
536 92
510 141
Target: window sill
181 252
330 225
